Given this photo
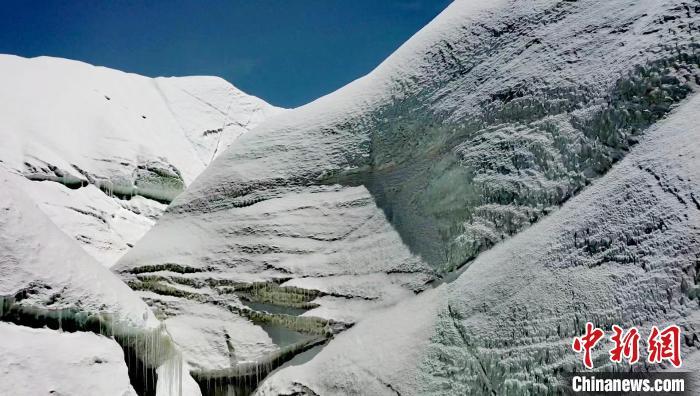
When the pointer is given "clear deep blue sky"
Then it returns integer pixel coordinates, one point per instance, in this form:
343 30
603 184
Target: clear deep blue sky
287 52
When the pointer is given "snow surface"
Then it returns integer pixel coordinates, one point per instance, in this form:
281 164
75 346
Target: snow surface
622 252
197 331
104 131
375 357
45 362
332 240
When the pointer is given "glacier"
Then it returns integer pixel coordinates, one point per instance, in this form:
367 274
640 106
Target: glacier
443 225
624 251
48 282
484 123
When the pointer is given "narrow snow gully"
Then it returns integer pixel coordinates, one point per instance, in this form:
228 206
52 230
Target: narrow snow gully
154 364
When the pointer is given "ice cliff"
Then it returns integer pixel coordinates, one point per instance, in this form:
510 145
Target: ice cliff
47 281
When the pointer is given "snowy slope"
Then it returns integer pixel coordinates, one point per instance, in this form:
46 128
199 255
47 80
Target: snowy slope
42 269
623 252
323 266
377 356
105 151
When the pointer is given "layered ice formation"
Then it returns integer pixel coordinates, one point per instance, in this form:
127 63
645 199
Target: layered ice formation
48 281
624 252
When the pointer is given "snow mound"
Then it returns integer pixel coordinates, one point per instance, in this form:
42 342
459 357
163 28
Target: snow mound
107 150
87 364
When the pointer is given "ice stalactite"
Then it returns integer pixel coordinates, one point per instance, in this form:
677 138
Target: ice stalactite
174 378
154 361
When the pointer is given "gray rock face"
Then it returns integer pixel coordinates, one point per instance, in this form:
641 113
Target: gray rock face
485 122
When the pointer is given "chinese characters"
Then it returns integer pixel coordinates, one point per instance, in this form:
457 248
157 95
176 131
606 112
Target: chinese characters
662 345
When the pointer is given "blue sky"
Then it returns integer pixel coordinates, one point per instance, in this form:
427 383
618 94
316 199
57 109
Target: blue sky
287 52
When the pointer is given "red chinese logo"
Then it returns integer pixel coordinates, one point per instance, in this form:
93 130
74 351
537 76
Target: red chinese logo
662 345
665 345
587 341
627 346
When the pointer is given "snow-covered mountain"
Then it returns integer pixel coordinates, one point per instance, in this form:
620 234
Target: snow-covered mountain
444 225
103 151
484 123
